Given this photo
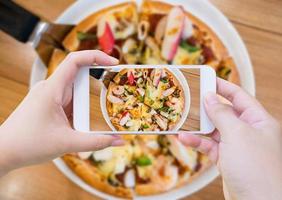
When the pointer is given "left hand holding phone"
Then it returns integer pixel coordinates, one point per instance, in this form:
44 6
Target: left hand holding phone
39 129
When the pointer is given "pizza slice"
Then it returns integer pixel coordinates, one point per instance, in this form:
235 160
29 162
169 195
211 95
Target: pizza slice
105 30
145 165
183 39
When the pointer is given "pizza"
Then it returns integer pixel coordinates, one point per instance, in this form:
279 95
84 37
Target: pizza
157 33
145 165
145 99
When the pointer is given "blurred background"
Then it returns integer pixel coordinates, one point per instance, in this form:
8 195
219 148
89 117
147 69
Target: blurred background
258 22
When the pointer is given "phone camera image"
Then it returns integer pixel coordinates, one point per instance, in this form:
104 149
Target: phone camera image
144 99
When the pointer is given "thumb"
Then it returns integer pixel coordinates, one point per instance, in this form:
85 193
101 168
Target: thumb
222 115
80 142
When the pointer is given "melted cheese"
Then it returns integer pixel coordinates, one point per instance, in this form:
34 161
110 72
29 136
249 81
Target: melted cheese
136 124
183 57
121 157
124 29
117 107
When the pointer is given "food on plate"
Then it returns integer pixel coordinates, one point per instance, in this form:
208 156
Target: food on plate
144 99
145 165
157 33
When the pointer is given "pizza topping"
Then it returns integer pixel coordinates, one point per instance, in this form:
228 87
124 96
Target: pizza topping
170 177
129 46
169 91
189 47
86 36
130 51
153 144
130 77
117 52
123 28
162 122
188 29
192 41
118 90
184 57
207 53
103 155
113 181
154 19
129 178
105 37
160 30
84 155
143 29
114 99
143 161
126 32
152 53
125 118
156 76
173 32
185 155
120 165
150 42
223 72
165 174
141 91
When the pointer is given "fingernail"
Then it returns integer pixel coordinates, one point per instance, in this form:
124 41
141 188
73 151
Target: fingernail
116 136
114 60
118 142
211 98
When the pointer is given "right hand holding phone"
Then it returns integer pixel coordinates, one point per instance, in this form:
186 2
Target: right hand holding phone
246 145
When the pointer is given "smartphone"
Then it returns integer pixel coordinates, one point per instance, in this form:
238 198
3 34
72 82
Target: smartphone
143 99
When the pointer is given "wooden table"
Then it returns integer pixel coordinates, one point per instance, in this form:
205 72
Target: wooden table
258 22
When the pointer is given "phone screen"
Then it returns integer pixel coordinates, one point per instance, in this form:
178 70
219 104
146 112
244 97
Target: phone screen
144 99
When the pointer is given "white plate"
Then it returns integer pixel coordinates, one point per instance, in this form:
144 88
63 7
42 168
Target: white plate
205 11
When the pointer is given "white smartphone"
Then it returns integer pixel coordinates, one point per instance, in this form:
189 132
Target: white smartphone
143 99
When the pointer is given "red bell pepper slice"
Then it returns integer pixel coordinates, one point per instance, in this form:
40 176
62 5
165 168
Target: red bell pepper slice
107 40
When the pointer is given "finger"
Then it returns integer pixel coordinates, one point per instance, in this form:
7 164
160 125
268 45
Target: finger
215 136
206 146
240 99
221 115
67 70
68 109
79 141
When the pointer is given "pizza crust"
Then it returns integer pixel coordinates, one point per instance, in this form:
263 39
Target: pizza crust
71 43
234 75
92 177
57 57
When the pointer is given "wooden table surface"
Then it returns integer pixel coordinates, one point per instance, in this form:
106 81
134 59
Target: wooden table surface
259 23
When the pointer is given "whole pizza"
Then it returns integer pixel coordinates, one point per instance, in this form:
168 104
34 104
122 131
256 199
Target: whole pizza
145 99
158 33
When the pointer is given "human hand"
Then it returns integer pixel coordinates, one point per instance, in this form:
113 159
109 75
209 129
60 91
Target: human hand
39 129
246 145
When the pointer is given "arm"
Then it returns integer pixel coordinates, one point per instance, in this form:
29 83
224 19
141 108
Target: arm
246 145
39 129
